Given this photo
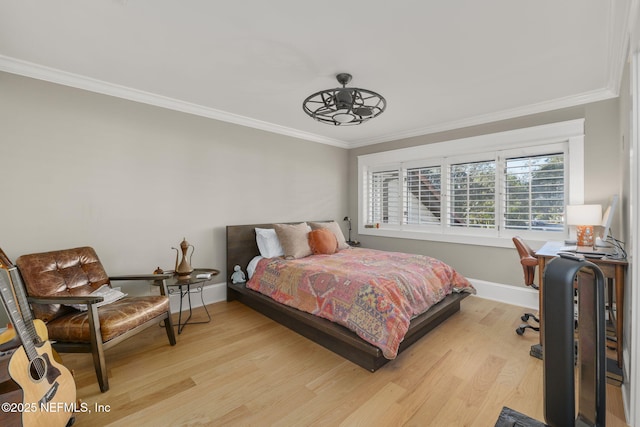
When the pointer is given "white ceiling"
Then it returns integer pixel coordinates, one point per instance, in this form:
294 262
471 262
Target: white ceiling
440 64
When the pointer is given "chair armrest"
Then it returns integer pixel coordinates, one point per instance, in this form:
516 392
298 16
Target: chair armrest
11 344
156 279
147 277
80 299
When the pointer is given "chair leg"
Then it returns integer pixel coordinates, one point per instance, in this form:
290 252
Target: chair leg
168 324
100 366
97 351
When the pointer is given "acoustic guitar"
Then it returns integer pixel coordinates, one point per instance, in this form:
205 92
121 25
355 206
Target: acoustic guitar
37 328
49 392
38 325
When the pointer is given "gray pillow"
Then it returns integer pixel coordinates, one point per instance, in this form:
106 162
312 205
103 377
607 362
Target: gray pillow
333 226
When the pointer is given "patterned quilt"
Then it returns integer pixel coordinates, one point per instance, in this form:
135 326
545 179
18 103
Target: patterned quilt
373 293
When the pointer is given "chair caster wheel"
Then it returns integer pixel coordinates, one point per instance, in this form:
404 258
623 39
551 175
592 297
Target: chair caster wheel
525 317
520 331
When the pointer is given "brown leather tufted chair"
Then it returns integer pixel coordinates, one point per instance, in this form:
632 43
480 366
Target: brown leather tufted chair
529 263
55 279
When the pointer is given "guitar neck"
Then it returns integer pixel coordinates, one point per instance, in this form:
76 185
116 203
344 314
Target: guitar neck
19 290
12 309
23 304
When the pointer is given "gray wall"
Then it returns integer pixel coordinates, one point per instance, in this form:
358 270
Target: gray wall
603 153
131 180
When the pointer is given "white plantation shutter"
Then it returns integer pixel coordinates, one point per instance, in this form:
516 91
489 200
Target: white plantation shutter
472 195
535 192
422 202
384 197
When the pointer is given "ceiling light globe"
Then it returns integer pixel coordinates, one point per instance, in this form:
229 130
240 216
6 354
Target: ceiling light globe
343 117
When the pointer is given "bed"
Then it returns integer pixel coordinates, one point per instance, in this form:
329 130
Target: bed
242 248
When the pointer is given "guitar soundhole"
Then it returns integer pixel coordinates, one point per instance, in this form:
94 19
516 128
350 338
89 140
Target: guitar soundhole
37 369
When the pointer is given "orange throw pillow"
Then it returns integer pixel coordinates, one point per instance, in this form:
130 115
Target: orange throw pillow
323 241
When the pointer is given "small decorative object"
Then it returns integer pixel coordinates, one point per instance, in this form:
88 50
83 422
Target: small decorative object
238 275
184 269
344 106
158 271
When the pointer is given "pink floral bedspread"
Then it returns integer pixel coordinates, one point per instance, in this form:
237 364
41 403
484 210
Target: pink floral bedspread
373 293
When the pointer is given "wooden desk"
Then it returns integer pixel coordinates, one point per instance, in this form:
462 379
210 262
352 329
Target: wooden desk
614 270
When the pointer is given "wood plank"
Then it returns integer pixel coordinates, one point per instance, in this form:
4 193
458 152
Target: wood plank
245 369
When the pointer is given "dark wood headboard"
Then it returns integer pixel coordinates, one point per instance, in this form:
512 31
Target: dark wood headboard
242 246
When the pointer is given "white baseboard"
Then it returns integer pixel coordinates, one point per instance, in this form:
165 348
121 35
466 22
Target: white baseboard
215 292
515 295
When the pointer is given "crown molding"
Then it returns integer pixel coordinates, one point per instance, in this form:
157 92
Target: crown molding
570 101
621 22
28 69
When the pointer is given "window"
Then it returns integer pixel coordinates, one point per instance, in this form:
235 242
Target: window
504 184
472 189
534 196
423 195
384 197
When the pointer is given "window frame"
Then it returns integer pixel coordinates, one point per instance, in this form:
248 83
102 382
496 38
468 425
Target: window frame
567 137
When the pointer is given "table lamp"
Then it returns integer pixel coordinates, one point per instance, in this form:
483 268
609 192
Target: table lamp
584 217
346 218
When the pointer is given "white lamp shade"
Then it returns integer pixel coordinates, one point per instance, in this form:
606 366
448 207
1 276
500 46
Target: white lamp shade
584 214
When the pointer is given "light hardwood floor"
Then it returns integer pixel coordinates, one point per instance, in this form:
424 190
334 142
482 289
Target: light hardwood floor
243 369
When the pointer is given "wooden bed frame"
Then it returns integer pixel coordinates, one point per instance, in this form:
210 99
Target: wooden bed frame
242 247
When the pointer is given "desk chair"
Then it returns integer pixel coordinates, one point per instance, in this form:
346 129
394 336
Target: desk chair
529 263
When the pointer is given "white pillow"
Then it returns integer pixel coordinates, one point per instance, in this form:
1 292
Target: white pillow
251 268
268 243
